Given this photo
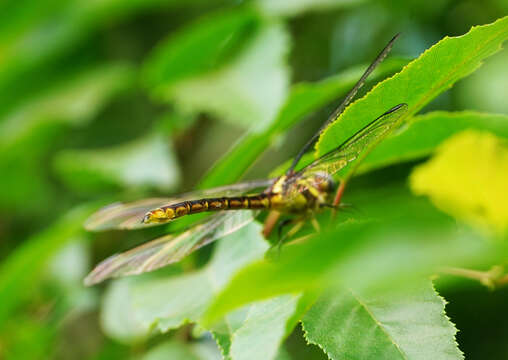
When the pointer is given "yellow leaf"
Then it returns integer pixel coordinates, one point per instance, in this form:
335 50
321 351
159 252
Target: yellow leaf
468 178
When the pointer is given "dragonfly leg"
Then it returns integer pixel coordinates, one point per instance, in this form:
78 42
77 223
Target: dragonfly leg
270 222
327 205
297 227
315 224
280 227
338 197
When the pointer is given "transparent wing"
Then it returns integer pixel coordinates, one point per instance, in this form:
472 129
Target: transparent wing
170 248
129 215
359 143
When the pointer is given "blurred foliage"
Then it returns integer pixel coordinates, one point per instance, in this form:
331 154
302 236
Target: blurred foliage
468 183
124 99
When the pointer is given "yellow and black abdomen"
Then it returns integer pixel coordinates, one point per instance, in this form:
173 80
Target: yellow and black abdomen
173 211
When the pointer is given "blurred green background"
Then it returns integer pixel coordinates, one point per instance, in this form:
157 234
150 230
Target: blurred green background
120 99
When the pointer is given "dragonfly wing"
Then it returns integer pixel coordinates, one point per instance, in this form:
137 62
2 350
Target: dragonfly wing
129 215
169 248
358 144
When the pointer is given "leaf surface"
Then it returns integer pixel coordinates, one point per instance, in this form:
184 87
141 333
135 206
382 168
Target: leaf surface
147 162
418 83
467 178
21 271
303 99
169 302
408 240
406 324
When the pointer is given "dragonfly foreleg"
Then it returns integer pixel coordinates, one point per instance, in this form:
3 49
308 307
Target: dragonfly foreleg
270 222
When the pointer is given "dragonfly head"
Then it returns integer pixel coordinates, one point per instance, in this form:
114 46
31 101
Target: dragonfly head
325 183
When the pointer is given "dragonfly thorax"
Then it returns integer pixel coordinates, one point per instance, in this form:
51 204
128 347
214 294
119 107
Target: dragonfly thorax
293 194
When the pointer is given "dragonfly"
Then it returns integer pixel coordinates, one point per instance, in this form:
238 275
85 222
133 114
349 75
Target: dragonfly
298 193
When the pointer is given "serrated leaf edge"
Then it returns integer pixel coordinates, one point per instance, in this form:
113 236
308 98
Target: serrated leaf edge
409 114
443 312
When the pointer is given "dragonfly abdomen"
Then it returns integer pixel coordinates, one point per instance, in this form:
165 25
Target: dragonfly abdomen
173 211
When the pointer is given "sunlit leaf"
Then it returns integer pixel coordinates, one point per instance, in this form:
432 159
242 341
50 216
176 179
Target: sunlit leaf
407 324
422 80
147 162
468 178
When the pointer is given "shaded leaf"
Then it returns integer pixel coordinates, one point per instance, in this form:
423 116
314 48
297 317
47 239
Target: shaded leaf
408 324
36 124
23 268
74 102
36 36
147 162
247 92
199 48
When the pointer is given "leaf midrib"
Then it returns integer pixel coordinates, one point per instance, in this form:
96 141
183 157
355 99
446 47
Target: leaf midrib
378 323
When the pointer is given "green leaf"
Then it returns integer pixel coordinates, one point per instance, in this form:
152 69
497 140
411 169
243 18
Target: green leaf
264 329
117 301
436 70
261 327
297 7
199 48
303 99
249 91
74 102
409 324
175 350
169 302
37 37
231 65
147 162
409 239
29 132
419 138
21 271
425 132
